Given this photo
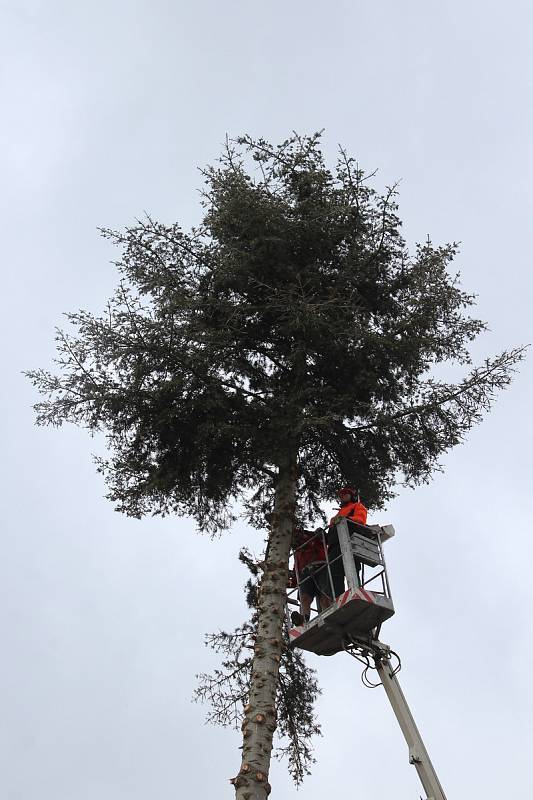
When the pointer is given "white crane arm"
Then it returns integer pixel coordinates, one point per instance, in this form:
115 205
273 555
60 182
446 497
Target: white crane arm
418 755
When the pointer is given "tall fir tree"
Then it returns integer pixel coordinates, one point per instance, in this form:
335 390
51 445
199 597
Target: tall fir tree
280 348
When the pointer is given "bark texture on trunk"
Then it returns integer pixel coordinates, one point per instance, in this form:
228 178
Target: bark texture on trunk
259 723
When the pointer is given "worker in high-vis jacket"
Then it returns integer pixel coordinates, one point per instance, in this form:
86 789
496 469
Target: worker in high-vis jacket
350 508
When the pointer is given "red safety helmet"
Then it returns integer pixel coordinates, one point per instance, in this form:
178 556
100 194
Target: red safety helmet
348 490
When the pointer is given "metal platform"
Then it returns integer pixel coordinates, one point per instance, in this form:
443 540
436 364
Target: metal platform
358 611
355 613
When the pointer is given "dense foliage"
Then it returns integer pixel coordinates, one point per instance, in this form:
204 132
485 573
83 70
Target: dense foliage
294 311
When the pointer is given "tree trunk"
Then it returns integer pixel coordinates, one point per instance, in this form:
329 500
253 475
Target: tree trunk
260 714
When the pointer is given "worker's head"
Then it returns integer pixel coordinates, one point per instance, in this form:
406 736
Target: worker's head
347 494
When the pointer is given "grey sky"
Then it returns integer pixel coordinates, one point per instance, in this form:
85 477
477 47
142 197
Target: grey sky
107 110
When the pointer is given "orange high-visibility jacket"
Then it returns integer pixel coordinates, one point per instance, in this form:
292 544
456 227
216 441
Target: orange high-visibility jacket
356 511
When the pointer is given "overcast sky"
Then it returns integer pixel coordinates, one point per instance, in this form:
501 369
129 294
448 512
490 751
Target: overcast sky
108 109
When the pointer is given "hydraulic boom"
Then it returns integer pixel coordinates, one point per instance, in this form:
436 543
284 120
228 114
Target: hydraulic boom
418 755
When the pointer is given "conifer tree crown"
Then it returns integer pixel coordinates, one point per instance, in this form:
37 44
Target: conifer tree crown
293 317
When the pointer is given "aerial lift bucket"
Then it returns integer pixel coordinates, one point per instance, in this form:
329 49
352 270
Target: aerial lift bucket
364 605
